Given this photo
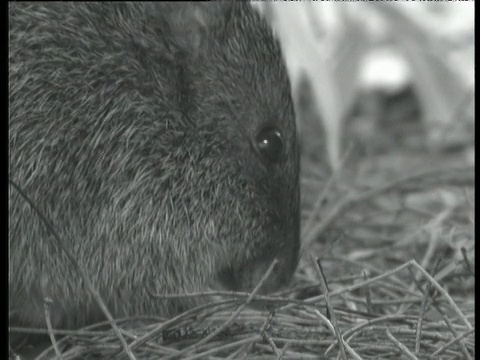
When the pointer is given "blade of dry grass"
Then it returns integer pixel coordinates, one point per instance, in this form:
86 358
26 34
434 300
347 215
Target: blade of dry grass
402 347
331 313
443 292
455 334
452 342
47 303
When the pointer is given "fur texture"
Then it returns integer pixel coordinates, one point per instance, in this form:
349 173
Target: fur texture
132 126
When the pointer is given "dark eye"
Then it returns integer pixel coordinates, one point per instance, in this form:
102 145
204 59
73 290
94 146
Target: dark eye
270 144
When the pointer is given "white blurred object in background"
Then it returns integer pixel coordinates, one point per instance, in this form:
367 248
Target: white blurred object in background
384 68
339 47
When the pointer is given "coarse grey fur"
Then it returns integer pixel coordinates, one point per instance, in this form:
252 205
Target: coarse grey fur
132 126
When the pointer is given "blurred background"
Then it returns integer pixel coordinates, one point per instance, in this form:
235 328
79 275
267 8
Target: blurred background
384 95
378 75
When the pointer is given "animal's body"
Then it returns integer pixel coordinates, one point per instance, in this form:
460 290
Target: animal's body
160 141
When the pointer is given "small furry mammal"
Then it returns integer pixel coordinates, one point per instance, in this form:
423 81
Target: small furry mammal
160 140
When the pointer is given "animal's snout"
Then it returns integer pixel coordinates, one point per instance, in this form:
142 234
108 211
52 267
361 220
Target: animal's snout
247 276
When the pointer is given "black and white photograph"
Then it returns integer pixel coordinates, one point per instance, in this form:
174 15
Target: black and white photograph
241 180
